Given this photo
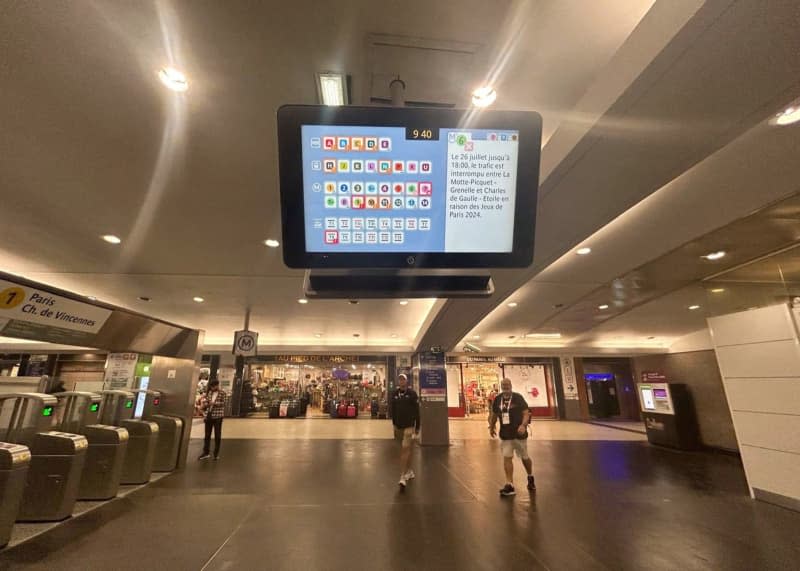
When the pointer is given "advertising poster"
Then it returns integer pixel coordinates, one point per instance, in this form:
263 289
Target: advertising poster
120 370
530 381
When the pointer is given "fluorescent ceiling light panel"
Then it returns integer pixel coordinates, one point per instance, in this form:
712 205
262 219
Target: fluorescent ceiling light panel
332 88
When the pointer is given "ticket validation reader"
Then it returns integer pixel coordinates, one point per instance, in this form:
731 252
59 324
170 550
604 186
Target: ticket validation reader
78 412
669 415
14 462
170 430
117 409
57 458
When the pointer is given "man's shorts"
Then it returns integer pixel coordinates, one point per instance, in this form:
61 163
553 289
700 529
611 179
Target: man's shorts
404 434
519 444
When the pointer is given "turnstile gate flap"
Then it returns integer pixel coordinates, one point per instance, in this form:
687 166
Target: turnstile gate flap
58 443
104 434
138 428
165 418
13 456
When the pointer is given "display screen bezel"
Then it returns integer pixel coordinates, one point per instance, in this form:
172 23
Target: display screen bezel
291 118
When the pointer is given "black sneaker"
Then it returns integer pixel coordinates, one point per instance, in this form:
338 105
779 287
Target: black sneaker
205 456
216 457
508 490
531 483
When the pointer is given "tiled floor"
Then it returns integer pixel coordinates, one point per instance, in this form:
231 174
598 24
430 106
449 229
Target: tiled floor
368 429
297 494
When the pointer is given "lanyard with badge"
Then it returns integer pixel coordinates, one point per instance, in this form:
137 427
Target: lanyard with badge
505 417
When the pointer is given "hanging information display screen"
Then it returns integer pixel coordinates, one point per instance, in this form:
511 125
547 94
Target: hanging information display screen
398 187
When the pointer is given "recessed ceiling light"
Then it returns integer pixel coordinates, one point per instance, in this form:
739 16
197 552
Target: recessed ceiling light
544 335
404 302
583 251
173 79
302 301
484 96
111 239
476 336
693 307
198 299
513 304
317 335
144 298
272 243
718 290
332 88
91 298
715 255
394 335
604 306
788 116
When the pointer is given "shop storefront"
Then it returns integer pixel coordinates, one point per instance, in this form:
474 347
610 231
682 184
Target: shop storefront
359 381
474 380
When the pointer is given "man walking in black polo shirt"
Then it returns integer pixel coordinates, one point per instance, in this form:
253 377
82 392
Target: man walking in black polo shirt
515 416
404 405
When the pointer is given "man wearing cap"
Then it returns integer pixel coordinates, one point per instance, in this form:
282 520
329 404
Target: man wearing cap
405 417
515 416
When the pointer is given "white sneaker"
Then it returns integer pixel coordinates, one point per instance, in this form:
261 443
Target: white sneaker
410 475
403 481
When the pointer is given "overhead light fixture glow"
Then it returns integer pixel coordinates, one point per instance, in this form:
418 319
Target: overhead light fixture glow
476 336
715 255
394 335
354 367
513 304
604 306
788 116
693 307
272 243
111 239
173 79
404 302
302 301
583 251
91 298
718 290
484 96
317 335
332 88
544 335
198 299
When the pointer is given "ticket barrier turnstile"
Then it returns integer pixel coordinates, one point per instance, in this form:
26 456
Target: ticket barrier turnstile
14 462
170 431
57 458
78 413
116 409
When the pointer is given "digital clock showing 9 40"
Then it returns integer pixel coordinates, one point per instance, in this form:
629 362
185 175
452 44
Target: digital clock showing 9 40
417 133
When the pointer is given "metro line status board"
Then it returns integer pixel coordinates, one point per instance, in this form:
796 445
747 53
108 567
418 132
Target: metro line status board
408 187
374 189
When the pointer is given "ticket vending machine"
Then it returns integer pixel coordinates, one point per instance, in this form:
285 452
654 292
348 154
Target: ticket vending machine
78 412
117 409
57 458
669 415
14 462
170 429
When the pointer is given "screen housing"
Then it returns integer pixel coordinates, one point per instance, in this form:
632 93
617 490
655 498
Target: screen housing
290 158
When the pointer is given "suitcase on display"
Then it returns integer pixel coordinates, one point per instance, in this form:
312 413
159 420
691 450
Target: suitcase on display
333 409
342 411
352 411
274 410
284 409
293 409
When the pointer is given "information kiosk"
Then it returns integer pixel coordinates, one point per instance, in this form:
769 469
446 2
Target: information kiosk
669 415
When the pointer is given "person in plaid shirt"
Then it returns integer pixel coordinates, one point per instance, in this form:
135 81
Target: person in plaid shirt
213 406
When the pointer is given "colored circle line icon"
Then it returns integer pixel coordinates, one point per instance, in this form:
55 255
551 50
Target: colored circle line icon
11 297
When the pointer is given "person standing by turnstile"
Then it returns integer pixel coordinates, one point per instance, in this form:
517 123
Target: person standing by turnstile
213 405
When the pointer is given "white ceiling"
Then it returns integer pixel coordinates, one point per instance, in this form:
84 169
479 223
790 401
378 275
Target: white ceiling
637 97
